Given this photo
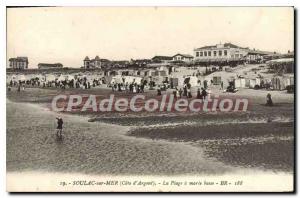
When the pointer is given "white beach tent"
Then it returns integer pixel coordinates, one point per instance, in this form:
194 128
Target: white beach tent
61 78
70 77
281 60
21 77
116 79
131 79
41 78
50 78
12 77
193 80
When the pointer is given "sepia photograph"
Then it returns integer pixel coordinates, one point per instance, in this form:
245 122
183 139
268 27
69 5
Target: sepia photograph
150 99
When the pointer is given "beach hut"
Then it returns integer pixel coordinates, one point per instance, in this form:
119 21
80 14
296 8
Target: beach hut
277 83
288 80
240 82
217 80
252 83
174 82
257 81
160 73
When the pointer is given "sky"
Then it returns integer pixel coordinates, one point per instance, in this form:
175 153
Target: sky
68 34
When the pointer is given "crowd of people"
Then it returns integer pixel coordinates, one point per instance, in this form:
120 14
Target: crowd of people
186 92
63 84
129 87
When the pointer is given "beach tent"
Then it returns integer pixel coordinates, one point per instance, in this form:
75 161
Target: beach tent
131 79
126 79
13 78
21 77
70 77
116 79
107 79
193 80
40 77
50 78
61 78
158 79
281 60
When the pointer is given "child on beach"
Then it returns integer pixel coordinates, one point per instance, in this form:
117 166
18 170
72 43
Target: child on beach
59 126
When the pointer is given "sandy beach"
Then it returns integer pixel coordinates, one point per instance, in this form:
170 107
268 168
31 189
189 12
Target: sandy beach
259 141
96 148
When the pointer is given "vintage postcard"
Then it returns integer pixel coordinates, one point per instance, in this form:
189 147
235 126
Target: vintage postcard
150 99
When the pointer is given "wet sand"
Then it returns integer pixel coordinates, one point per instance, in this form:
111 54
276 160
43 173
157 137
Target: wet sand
268 146
94 148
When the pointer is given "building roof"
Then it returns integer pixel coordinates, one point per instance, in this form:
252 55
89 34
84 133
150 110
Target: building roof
104 60
86 58
184 55
20 59
97 58
226 45
259 52
50 65
163 57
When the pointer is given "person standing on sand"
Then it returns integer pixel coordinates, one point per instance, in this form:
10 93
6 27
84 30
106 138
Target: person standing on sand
60 123
180 93
269 100
199 94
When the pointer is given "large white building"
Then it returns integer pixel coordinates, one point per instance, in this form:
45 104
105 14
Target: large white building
227 52
220 52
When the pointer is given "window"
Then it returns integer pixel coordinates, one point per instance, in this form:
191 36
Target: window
205 53
225 52
215 53
209 53
220 52
197 54
241 55
201 53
